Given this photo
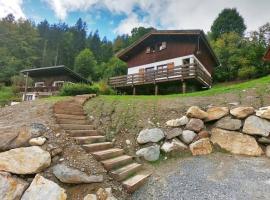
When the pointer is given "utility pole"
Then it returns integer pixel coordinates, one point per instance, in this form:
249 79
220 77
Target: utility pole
26 86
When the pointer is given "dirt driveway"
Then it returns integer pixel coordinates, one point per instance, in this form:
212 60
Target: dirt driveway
217 176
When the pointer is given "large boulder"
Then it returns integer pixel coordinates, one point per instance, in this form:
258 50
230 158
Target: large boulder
177 122
25 160
174 146
236 142
195 125
256 126
201 147
263 112
229 123
150 135
42 188
149 153
173 133
187 136
14 138
196 112
70 175
11 187
242 112
215 113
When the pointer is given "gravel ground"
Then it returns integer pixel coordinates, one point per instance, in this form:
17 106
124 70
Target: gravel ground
217 176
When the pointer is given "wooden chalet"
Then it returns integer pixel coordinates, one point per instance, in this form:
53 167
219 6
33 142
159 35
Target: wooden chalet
167 61
48 81
267 55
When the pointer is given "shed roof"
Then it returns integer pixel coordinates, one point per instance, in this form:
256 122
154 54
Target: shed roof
190 32
54 71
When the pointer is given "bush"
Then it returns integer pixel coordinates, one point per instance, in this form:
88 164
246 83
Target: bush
72 89
104 88
247 72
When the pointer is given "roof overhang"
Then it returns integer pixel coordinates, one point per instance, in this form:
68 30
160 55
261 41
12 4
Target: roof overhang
54 71
194 32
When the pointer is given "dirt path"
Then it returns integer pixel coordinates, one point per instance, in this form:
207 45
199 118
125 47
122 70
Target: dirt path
217 176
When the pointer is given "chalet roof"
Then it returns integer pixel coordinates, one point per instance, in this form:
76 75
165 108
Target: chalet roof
191 32
54 71
267 55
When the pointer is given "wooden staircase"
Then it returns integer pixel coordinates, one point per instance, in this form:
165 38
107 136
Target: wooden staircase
71 117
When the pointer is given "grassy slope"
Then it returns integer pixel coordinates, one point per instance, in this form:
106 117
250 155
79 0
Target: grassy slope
6 95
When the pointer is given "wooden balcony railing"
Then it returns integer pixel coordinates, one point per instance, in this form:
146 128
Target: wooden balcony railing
188 71
41 89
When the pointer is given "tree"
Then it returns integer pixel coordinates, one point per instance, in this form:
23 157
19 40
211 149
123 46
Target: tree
85 63
229 20
115 67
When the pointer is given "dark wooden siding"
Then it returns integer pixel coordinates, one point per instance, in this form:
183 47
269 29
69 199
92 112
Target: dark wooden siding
177 46
48 80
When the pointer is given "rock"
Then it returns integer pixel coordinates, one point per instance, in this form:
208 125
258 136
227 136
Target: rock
177 122
128 142
264 112
196 112
242 112
37 141
20 137
267 151
173 146
90 197
202 134
25 160
264 140
56 151
150 135
236 142
110 195
187 136
70 175
201 147
256 126
42 188
173 133
229 124
195 125
149 153
11 187
215 113
102 194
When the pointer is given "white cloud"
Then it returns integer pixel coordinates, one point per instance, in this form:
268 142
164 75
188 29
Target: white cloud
11 6
167 14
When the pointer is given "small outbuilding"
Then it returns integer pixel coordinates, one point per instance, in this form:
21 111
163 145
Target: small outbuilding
47 81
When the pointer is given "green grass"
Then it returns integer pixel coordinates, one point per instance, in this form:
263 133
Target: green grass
6 95
216 89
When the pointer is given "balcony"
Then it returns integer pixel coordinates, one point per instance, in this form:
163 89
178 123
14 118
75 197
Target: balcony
181 73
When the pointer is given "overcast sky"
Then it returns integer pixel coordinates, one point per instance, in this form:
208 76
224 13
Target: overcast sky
112 17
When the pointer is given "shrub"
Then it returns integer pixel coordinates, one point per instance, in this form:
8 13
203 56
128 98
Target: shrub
72 89
247 72
104 88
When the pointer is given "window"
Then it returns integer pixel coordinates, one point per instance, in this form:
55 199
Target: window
39 84
58 83
161 68
148 50
157 47
186 61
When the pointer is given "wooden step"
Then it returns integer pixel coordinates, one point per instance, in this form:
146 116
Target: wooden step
134 182
109 153
77 126
72 121
97 146
126 171
82 133
90 139
116 162
65 116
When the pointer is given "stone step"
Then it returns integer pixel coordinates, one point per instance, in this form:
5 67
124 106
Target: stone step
90 139
109 153
69 112
134 182
65 116
82 133
97 146
72 121
126 171
116 162
77 126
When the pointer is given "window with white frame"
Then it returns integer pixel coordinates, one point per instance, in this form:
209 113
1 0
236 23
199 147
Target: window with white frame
39 84
58 83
